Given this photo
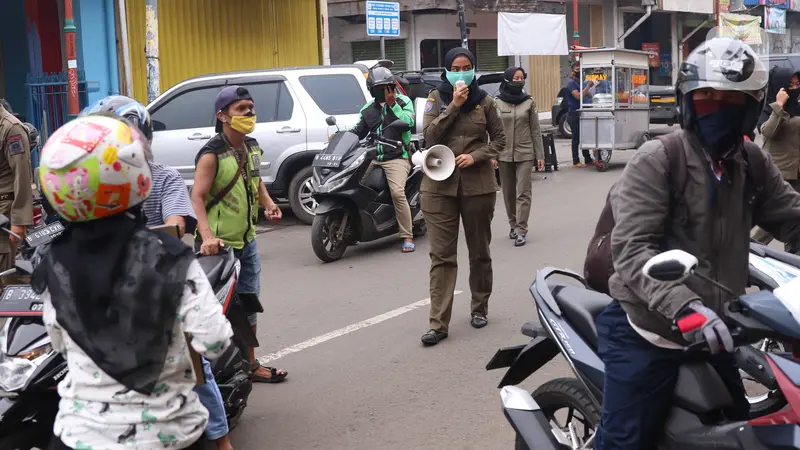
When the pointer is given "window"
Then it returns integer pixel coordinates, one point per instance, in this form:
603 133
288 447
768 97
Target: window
433 51
189 109
335 94
369 50
273 101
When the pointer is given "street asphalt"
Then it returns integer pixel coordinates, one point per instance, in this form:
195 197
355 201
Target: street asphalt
349 332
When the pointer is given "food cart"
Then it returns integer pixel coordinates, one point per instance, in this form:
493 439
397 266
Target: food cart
616 113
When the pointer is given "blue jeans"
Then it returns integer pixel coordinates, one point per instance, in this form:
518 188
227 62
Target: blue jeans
640 380
250 273
211 399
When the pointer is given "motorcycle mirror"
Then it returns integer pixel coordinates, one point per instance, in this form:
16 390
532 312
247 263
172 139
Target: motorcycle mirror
674 265
23 266
331 121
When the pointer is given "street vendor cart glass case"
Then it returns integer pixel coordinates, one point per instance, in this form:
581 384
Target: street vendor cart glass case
615 109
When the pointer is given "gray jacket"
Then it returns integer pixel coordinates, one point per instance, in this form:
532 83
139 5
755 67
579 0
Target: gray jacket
523 133
712 221
782 141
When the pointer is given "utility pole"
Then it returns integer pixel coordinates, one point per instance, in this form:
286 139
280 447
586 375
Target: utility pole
383 47
151 50
462 24
73 108
576 35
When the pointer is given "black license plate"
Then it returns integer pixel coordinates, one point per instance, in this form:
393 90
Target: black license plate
322 160
44 234
19 300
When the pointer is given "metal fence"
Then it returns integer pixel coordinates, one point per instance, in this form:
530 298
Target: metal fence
47 103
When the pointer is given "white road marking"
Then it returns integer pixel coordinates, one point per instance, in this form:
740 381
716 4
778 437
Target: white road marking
343 331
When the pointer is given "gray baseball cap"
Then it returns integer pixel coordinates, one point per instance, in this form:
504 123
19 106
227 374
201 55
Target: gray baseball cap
227 96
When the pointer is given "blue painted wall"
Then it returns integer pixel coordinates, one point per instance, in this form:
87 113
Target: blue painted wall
97 49
14 50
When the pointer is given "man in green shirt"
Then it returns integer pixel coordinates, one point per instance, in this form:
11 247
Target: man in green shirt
386 107
226 194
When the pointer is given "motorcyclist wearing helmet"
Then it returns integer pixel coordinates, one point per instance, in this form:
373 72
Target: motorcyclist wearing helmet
387 106
119 297
169 204
721 89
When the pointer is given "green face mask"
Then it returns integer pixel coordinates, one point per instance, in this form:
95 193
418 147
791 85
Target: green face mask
516 86
467 76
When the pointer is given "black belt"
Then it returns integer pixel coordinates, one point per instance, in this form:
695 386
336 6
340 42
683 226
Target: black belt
6 196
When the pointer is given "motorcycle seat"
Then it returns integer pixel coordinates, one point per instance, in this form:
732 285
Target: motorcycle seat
377 180
581 306
213 267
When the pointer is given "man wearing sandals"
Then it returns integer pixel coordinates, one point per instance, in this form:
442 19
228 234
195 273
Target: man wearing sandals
385 108
226 195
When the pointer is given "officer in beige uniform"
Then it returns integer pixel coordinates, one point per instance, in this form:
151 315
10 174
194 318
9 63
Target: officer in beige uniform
16 198
523 142
465 119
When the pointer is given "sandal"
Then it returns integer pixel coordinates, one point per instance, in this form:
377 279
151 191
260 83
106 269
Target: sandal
409 247
479 321
276 375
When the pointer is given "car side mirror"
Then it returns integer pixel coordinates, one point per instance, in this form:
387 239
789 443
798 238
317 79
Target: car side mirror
331 121
674 266
159 126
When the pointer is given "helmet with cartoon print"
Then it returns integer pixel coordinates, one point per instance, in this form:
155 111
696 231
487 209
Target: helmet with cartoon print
95 167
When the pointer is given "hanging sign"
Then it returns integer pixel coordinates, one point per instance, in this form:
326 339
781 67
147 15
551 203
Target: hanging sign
775 20
744 27
653 49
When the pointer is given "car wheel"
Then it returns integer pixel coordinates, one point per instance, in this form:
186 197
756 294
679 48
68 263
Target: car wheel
564 130
301 196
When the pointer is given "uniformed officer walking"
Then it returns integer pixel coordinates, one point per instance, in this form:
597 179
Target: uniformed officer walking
465 119
16 198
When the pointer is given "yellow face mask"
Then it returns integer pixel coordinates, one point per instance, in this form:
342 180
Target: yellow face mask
244 124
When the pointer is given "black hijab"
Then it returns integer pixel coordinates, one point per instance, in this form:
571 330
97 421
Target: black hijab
509 95
116 287
476 94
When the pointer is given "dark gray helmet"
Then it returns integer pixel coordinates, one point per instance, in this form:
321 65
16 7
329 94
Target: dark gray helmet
379 76
723 64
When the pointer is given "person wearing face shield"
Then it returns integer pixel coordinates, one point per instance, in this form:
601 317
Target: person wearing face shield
226 196
782 131
460 115
728 186
387 106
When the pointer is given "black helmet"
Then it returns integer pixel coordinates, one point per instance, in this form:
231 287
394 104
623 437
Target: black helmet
133 111
723 64
379 76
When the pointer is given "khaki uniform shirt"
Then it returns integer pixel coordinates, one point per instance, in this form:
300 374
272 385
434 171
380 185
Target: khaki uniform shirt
523 133
478 132
782 141
16 198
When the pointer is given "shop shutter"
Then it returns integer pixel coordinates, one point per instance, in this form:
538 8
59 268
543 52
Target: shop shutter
488 61
395 51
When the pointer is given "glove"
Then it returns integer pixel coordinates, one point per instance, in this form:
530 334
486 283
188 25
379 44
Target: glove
699 323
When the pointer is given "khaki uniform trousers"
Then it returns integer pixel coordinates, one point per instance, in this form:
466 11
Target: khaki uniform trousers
397 171
762 235
442 214
515 181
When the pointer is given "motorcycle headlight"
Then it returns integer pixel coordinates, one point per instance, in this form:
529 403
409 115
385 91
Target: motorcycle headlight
336 181
16 370
330 186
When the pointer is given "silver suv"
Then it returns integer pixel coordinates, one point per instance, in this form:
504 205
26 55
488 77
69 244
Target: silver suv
291 105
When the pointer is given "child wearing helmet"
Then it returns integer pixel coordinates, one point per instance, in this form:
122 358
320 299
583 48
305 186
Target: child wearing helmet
118 298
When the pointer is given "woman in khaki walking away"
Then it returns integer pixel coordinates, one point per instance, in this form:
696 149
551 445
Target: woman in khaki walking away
523 143
460 115
782 132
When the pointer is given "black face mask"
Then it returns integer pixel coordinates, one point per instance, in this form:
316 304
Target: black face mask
721 130
516 86
792 106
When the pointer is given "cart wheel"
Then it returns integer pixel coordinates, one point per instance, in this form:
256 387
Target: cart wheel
601 166
644 137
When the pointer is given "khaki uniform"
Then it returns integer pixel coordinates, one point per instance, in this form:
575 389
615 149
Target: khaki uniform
468 194
523 143
16 197
782 141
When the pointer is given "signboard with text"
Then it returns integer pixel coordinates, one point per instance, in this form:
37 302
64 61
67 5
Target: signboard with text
692 6
775 20
383 19
653 49
784 4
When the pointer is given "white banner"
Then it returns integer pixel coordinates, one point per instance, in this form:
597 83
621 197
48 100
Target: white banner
531 34
692 6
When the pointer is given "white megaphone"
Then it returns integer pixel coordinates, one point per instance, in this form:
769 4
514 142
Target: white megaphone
437 162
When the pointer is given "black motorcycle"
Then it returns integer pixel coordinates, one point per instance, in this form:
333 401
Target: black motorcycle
349 209
566 325
30 369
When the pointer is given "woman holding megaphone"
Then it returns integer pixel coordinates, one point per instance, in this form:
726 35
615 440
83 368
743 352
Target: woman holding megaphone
461 116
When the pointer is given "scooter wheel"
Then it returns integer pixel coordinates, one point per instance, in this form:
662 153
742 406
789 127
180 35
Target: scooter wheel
323 238
27 438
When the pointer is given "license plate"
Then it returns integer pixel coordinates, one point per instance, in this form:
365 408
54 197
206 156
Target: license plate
664 100
45 234
20 300
321 160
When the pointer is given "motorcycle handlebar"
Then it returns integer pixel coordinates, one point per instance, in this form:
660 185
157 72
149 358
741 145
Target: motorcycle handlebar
389 142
